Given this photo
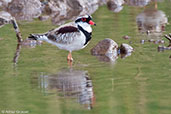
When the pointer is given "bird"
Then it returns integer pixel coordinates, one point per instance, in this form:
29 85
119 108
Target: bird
71 37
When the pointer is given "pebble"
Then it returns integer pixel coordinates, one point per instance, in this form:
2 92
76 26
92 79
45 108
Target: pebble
126 37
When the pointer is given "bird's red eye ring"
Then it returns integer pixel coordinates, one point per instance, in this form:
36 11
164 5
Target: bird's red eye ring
83 19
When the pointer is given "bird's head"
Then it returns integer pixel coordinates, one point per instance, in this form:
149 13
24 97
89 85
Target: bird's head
85 22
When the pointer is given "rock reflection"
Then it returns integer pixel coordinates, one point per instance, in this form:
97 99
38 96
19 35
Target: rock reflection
117 5
139 3
71 84
111 58
152 21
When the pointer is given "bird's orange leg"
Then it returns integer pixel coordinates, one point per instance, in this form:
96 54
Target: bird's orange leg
69 58
155 5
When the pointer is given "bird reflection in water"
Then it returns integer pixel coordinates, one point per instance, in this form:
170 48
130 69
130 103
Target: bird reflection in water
70 83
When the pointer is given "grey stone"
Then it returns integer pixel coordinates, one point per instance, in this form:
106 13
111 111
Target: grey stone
24 9
115 5
61 11
5 18
125 50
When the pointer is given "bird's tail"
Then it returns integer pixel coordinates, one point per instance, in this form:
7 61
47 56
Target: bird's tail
37 36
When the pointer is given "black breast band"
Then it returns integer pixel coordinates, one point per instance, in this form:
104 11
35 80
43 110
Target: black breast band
87 34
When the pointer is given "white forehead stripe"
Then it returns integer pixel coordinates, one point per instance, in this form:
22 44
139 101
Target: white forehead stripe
85 16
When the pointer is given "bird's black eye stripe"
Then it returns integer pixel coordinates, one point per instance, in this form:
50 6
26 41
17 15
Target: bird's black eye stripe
89 18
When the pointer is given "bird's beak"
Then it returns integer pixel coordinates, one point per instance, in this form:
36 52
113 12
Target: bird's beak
92 23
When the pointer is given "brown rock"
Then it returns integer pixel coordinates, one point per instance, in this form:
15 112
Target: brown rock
106 50
105 46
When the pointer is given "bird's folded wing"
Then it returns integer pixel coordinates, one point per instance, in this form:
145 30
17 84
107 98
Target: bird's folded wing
64 35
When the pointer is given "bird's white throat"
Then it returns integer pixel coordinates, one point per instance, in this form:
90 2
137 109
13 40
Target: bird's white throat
85 26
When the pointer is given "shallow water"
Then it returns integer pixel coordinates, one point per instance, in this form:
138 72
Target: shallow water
41 82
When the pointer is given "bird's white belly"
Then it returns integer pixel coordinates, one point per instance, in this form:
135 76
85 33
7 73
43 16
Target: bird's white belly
77 44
